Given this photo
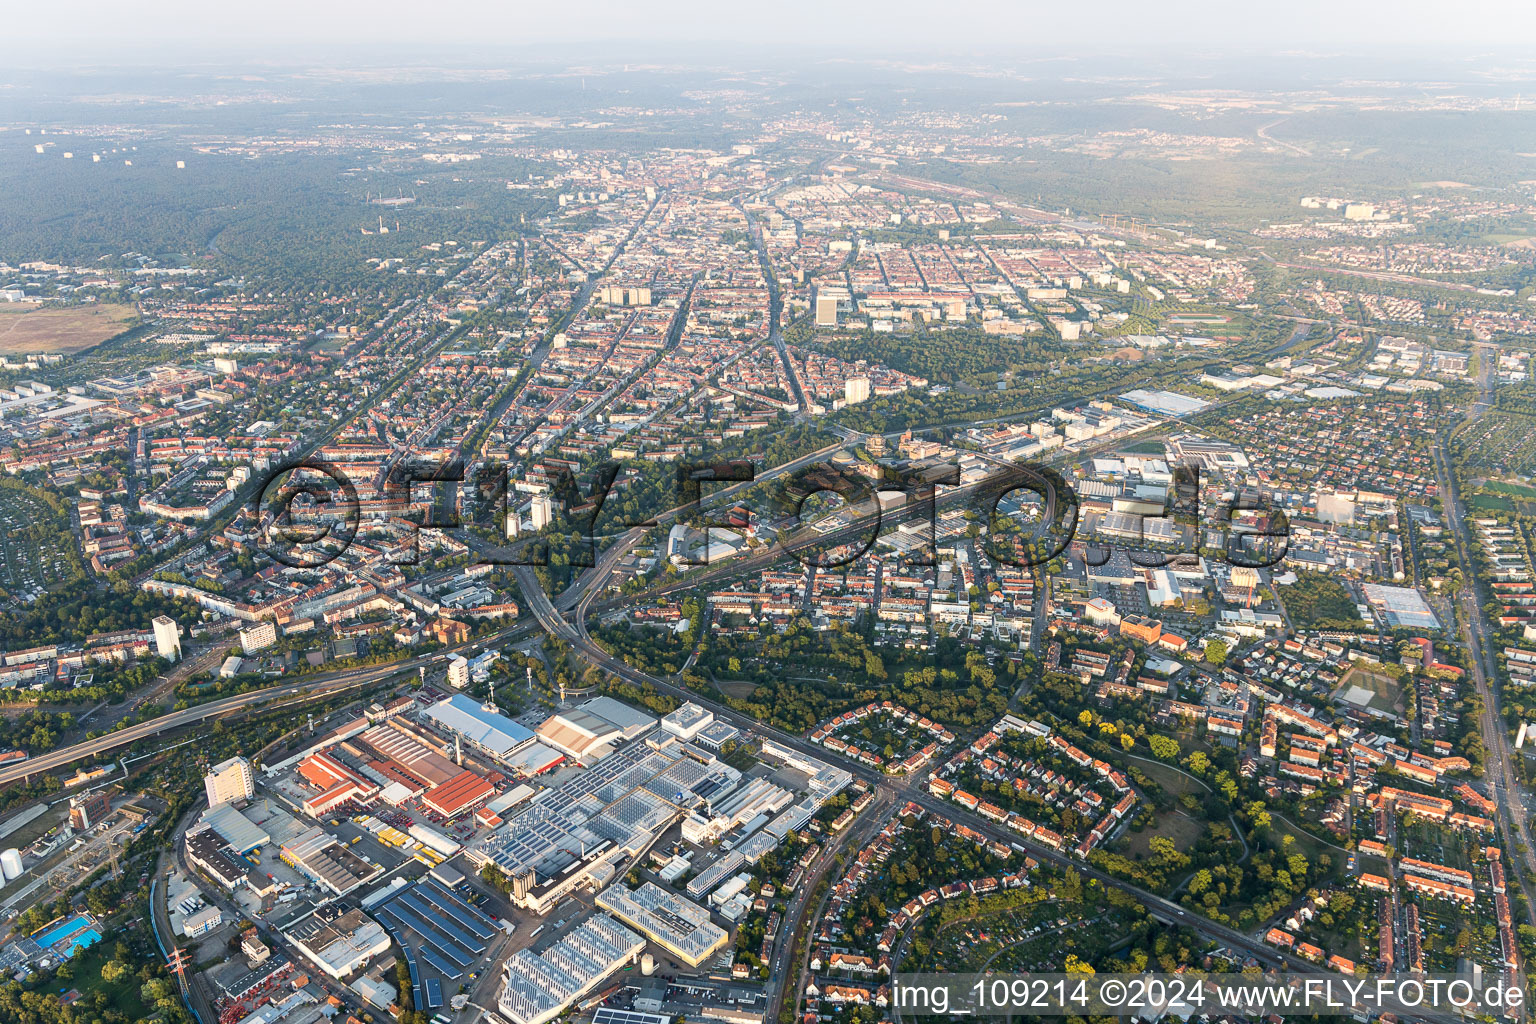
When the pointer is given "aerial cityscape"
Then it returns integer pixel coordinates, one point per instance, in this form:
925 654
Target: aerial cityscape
710 535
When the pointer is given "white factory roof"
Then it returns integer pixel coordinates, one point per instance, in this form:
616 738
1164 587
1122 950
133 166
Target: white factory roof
588 726
687 720
630 721
676 924
538 987
235 828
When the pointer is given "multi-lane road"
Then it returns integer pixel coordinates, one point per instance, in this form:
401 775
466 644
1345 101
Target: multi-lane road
312 689
580 594
1498 769
550 619
786 977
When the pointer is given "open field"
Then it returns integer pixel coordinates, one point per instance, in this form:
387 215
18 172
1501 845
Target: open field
1175 825
27 328
739 688
1513 490
1171 779
1490 503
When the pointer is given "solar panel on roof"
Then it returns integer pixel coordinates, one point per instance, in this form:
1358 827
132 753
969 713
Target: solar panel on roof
434 993
437 902
410 963
468 909
447 927
614 1015
430 939
447 970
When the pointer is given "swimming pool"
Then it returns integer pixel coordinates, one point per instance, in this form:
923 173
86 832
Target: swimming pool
89 937
63 930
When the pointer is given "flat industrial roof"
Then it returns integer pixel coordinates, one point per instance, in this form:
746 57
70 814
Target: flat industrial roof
681 927
458 793
335 865
490 729
576 732
535 758
235 828
630 721
687 714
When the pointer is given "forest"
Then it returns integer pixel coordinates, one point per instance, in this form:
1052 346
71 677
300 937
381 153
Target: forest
1392 151
291 217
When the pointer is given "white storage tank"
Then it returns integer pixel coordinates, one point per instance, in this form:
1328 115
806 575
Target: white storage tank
10 864
647 965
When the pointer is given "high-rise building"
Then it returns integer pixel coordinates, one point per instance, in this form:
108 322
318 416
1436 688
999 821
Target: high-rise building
261 635
856 390
458 672
543 511
167 638
229 781
1245 576
826 311
619 295
89 810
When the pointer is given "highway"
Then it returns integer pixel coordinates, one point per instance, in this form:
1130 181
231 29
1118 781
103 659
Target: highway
300 691
550 619
579 597
1387 276
313 687
595 578
1503 787
775 310
550 616
808 539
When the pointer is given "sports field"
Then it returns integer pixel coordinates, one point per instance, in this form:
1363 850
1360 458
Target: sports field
1366 688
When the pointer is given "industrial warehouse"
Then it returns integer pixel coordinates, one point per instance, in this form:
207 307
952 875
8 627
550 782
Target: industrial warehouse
435 927
576 834
538 987
676 925
342 847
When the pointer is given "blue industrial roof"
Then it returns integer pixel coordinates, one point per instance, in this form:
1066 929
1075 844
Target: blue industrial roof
490 729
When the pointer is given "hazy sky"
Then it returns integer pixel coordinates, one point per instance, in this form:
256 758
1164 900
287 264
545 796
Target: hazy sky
191 31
